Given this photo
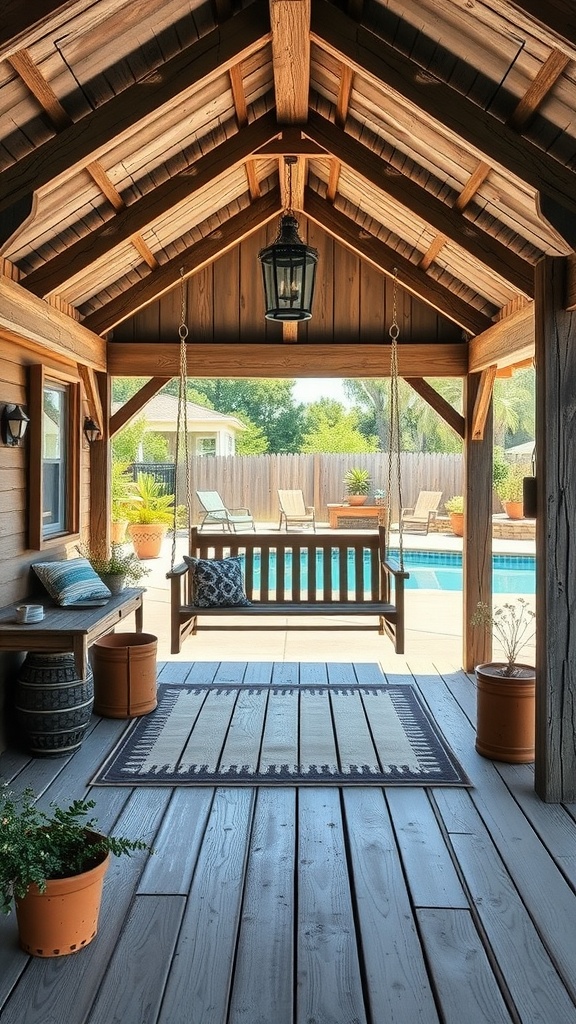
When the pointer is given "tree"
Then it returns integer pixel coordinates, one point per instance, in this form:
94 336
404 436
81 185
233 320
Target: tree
267 404
333 428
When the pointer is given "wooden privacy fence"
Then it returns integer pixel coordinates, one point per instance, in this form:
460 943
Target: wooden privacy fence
253 481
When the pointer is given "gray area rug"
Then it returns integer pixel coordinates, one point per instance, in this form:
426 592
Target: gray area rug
283 735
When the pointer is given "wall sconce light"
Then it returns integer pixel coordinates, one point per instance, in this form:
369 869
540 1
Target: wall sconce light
91 430
14 423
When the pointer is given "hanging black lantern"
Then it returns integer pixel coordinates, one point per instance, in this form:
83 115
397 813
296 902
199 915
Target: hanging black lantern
288 269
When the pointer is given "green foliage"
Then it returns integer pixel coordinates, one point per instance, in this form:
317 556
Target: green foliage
332 428
117 564
252 441
126 443
357 481
150 503
154 447
36 846
510 488
499 466
511 625
120 486
455 504
267 404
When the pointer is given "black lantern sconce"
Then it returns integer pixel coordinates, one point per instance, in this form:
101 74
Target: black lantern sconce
91 431
14 423
288 268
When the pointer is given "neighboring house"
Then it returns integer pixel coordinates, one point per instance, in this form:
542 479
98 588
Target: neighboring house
209 432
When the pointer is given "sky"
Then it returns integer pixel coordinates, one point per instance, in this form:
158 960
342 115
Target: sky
313 388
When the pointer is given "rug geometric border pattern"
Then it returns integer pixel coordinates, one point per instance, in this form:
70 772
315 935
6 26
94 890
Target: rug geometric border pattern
283 735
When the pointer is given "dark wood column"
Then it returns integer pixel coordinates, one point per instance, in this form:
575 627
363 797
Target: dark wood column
477 544
555 534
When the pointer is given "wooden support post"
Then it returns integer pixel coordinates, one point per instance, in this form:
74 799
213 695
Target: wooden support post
99 513
555 776
477 543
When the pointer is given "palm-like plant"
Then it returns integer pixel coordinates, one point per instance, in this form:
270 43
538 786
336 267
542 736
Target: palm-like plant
150 503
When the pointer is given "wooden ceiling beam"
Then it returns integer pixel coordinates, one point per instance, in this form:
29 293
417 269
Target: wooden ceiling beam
34 320
557 16
436 401
290 26
128 222
23 24
494 254
493 141
385 259
127 359
191 260
290 141
133 405
506 343
43 92
213 54
479 175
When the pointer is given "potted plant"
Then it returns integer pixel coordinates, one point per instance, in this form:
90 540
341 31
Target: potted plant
52 867
505 720
510 489
120 484
455 509
118 569
150 514
357 483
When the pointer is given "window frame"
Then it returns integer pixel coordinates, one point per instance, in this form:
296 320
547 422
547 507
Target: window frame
40 377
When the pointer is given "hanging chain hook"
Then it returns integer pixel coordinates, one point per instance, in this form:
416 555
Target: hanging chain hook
394 431
289 160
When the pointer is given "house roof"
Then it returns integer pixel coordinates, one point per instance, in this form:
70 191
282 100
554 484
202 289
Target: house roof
140 141
164 409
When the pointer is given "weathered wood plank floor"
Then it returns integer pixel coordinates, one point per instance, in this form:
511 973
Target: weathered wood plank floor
320 905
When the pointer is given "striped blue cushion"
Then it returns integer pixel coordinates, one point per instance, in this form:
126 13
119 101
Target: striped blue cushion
72 581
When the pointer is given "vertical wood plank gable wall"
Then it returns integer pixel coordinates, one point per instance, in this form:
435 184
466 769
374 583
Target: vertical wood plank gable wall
225 302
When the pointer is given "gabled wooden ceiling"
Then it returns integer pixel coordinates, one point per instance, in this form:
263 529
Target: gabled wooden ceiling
141 137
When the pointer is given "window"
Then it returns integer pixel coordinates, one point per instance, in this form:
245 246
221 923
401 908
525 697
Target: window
54 457
206 446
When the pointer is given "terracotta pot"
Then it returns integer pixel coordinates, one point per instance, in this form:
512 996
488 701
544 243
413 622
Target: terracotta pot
124 667
147 538
64 918
514 509
357 499
457 523
505 713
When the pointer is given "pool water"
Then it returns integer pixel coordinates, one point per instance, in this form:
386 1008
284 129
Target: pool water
440 570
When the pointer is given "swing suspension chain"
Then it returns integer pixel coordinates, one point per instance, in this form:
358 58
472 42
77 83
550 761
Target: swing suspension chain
182 418
394 429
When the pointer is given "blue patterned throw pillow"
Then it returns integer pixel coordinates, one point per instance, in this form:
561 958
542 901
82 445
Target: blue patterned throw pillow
217 583
72 582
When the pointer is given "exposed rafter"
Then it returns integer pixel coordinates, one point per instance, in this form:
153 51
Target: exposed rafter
386 259
214 54
414 197
492 140
191 260
113 232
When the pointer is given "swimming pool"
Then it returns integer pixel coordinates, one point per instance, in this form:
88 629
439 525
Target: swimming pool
441 570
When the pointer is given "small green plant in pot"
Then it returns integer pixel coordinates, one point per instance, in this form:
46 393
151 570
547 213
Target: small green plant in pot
121 568
357 482
455 509
48 860
506 689
510 489
149 515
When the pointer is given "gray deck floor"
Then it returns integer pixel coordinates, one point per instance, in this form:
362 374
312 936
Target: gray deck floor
320 905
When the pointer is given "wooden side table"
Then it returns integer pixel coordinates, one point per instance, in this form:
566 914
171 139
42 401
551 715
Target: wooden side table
339 511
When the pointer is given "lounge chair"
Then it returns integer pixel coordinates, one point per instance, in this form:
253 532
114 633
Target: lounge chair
295 511
232 520
418 518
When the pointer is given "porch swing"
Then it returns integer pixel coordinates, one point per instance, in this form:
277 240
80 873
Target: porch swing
254 576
